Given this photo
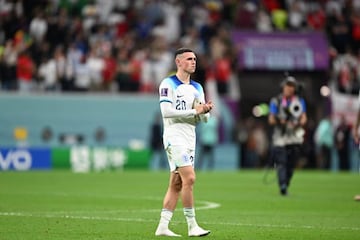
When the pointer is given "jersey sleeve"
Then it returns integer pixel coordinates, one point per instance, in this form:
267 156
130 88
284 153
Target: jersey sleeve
201 95
273 107
166 92
303 104
204 117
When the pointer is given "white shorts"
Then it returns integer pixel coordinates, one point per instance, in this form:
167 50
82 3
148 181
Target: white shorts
179 156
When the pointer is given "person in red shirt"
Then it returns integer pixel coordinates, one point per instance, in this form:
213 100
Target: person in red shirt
316 19
222 72
24 72
109 70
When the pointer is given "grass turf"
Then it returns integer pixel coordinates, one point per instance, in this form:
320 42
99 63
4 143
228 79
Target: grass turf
126 205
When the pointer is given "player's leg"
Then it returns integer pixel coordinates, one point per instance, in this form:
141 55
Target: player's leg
169 205
173 191
187 174
171 196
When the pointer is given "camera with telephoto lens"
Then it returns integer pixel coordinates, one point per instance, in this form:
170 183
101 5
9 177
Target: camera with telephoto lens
295 109
291 115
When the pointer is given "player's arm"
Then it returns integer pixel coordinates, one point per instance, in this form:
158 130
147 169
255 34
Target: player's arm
168 111
204 117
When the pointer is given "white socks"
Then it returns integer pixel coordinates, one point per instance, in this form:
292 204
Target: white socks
165 218
166 215
189 214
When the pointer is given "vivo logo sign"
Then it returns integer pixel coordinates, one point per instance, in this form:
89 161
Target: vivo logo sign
24 159
16 159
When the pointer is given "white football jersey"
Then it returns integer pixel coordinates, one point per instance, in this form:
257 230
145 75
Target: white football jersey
179 121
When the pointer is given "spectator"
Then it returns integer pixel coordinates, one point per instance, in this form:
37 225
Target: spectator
62 69
339 32
246 15
221 60
191 39
345 72
280 19
156 66
209 138
227 11
109 70
72 59
263 21
241 137
324 140
355 31
271 5
123 70
172 11
38 26
58 30
137 59
262 143
207 32
309 144
96 65
25 70
296 15
316 18
342 138
10 56
252 157
158 155
48 74
82 75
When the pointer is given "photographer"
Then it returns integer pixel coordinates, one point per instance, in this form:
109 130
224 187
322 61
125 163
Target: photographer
288 117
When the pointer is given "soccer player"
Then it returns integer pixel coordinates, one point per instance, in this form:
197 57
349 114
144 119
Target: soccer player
182 104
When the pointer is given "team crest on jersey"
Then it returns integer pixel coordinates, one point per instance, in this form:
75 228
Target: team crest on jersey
164 92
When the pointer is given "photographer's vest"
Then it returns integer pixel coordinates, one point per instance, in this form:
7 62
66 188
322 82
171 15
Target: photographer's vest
290 111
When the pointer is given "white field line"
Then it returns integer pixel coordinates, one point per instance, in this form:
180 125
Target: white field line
72 214
202 205
288 226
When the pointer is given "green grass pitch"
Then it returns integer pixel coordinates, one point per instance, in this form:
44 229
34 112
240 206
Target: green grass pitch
126 205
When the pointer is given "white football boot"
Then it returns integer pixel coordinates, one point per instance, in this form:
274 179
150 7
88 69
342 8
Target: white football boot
165 232
198 232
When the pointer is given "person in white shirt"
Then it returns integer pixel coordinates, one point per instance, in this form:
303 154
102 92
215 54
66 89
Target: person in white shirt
182 104
47 71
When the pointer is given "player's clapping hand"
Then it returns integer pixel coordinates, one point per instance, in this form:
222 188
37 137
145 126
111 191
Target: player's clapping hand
208 106
204 108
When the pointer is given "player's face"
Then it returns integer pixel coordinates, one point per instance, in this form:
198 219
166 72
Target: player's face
187 62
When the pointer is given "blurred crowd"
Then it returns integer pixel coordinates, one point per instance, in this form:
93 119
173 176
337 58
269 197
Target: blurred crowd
127 46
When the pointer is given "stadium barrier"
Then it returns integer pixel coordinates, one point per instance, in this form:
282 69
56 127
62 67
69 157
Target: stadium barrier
76 158
78 131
